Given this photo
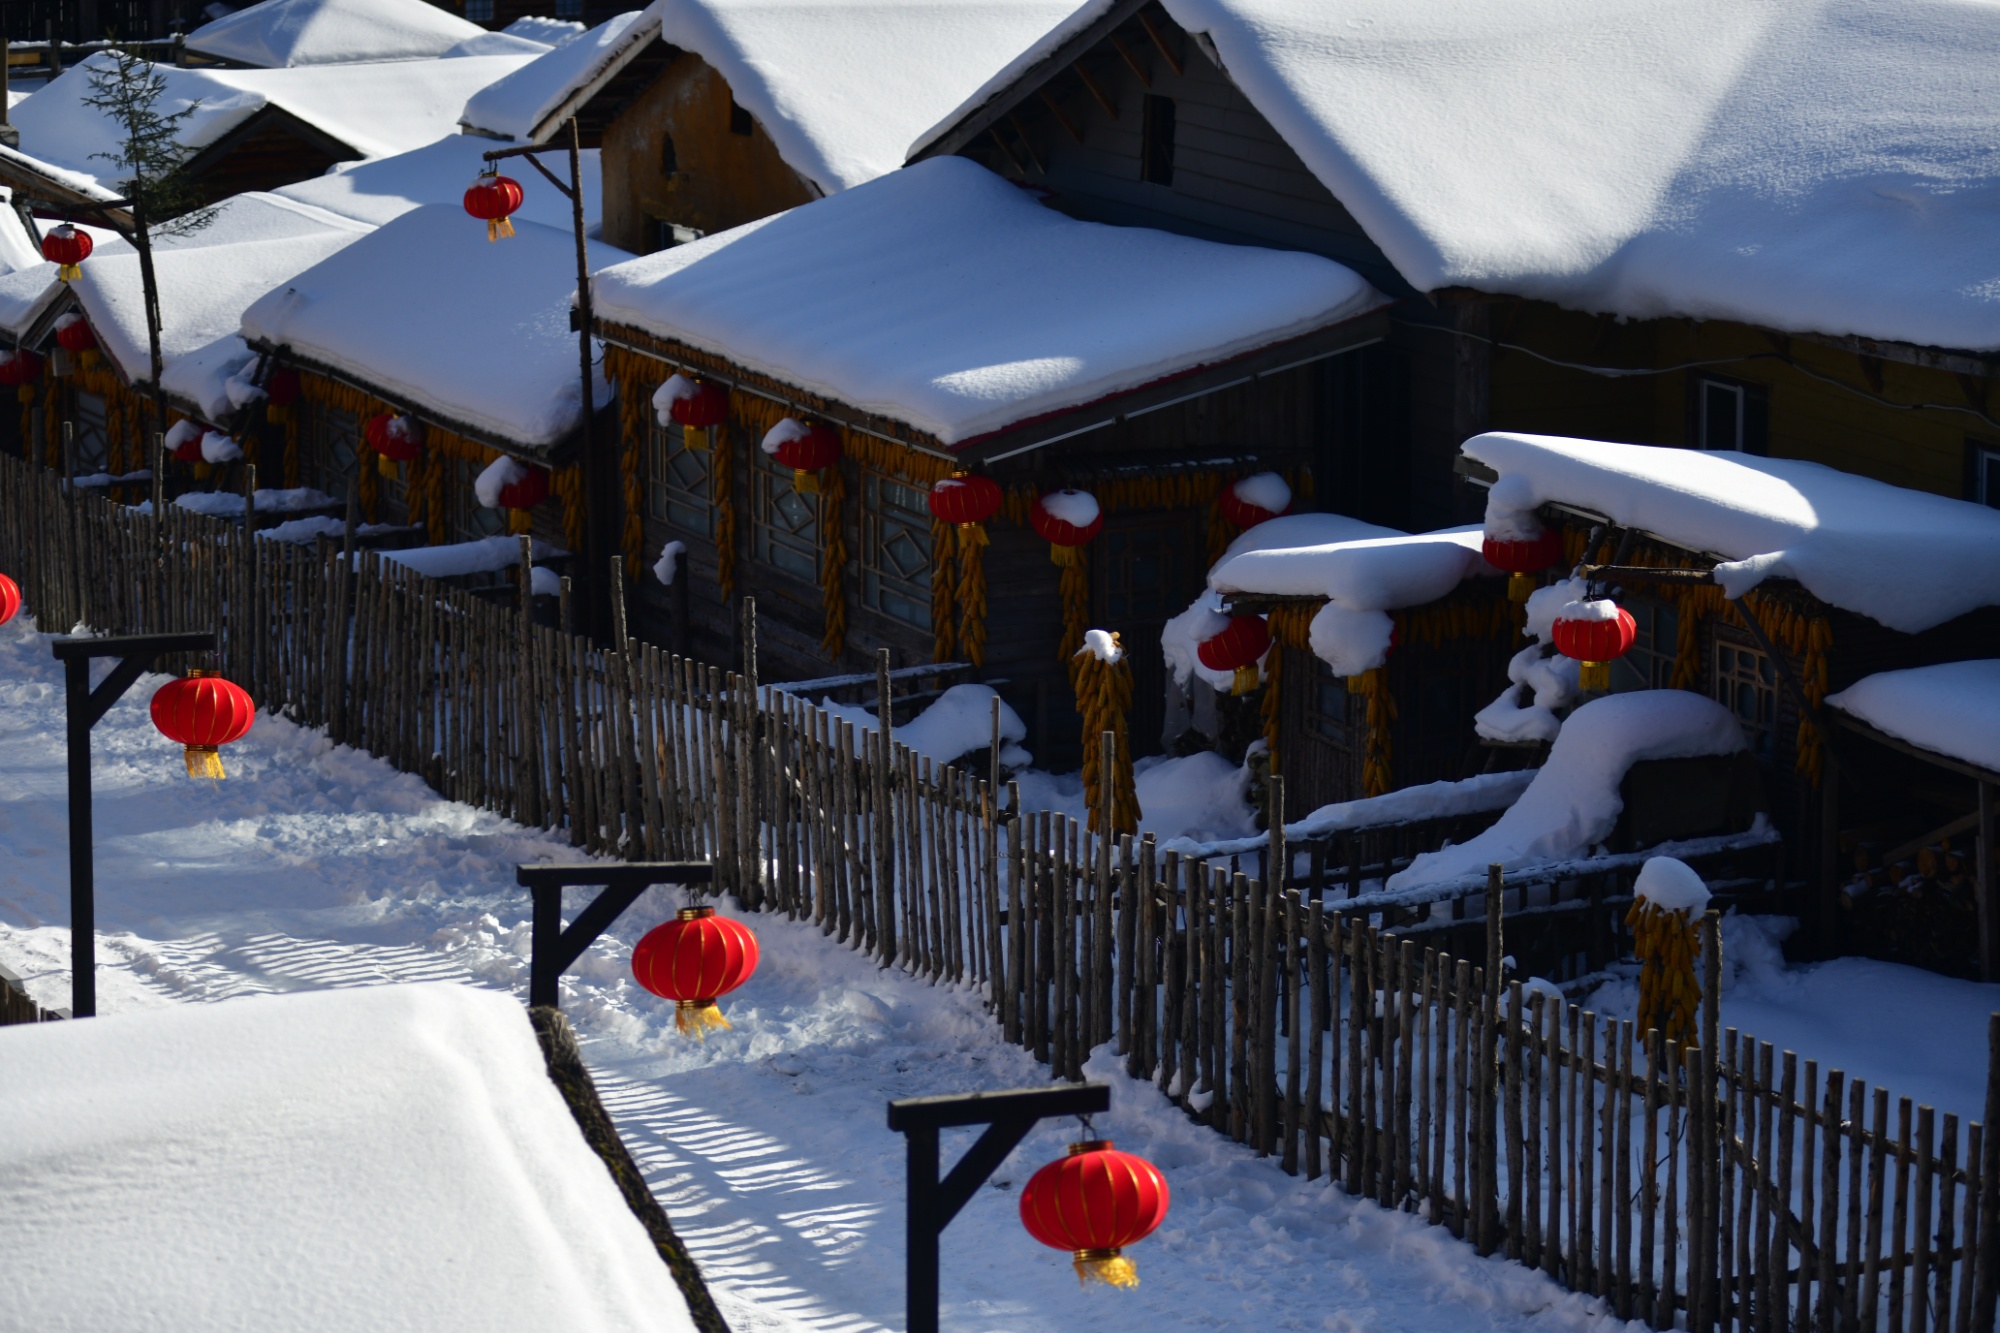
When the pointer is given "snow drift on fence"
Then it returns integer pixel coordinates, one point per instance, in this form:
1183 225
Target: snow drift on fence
1572 803
1908 559
1809 165
945 297
391 1157
956 723
1953 709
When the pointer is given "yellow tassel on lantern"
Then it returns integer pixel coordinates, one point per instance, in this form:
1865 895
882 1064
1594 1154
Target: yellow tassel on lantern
1065 555
694 439
499 228
805 483
386 466
203 761
26 393
69 272
695 1018
972 534
1594 677
519 521
1110 1267
1520 587
1245 679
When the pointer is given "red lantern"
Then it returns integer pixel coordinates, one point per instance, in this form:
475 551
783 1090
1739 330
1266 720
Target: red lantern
493 198
1247 513
73 334
706 407
805 450
527 490
1595 632
1066 520
1523 559
1094 1203
10 599
183 440
281 387
399 439
693 959
202 712
968 501
1238 648
21 369
66 248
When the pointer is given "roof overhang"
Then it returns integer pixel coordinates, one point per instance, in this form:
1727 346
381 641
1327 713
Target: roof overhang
37 184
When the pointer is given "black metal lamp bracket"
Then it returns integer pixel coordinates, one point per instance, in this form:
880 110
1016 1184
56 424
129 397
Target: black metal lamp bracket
553 946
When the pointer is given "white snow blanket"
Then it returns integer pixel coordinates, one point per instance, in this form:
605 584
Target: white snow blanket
956 723
533 101
1408 805
1809 165
384 1158
1540 683
943 297
1953 709
480 330
278 33
385 188
1906 558
487 555
1573 803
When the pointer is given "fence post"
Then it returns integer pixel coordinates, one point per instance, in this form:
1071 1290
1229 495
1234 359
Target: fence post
1704 1294
1986 1294
884 785
1487 1082
750 755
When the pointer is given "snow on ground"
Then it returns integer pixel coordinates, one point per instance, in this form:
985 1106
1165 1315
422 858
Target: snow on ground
314 866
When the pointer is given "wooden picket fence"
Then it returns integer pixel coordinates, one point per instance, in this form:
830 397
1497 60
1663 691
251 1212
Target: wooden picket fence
1716 1186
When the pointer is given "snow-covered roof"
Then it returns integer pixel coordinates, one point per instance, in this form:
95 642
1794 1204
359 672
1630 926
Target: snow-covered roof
1908 559
943 297
431 315
841 86
547 31
1819 166
277 34
529 103
437 173
376 109
1952 709
383 1157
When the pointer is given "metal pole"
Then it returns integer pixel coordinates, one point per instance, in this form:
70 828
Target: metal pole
82 881
593 531
920 1266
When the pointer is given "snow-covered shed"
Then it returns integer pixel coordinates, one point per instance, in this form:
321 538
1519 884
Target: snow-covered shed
938 319
392 1157
470 341
713 113
1755 228
284 34
252 129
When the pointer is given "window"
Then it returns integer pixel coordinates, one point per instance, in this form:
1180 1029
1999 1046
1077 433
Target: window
1745 685
479 11
326 461
1156 141
1982 473
569 9
1729 415
784 525
896 550
667 235
1140 564
89 435
739 119
670 161
677 481
1650 663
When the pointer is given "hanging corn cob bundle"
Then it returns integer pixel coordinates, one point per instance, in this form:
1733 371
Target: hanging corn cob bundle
1103 681
1665 913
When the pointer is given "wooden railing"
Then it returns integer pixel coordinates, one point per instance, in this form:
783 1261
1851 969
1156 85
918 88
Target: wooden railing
1722 1186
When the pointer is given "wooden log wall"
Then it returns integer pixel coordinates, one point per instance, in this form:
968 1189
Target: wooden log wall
1724 1187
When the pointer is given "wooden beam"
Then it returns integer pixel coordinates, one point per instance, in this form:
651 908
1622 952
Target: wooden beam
1083 75
1125 52
1938 834
1860 728
1871 370
1027 145
1160 42
1062 117
1005 151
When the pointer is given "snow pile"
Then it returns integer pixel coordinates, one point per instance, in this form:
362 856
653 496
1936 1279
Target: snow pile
544 30
1102 645
1548 681
675 388
496 477
529 104
669 562
1807 165
495 44
480 336
1267 490
1908 559
318 1161
229 504
1573 802
1671 886
1079 509
1182 636
946 298
1953 709
1479 794
384 189
484 556
956 723
278 33
812 72
219 447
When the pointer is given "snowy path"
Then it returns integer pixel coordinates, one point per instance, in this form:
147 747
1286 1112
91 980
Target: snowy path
315 866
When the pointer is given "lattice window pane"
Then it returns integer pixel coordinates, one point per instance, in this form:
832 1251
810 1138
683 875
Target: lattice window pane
784 525
896 550
1650 663
679 481
90 435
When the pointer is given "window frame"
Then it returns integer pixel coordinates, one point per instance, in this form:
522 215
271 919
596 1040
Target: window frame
770 484
1982 472
667 501
1657 621
1762 733
1751 434
912 518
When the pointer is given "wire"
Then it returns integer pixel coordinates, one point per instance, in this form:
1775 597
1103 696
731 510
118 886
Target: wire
1626 372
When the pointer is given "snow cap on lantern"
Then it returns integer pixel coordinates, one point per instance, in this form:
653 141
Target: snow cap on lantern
1596 632
1067 520
1094 1203
695 405
219 447
804 449
1254 499
492 198
508 483
200 713
967 500
1516 540
395 437
183 440
1238 648
692 960
67 248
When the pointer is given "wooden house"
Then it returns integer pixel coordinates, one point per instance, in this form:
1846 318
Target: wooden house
938 320
1595 235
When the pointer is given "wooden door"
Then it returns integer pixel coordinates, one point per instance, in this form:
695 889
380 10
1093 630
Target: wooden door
1147 567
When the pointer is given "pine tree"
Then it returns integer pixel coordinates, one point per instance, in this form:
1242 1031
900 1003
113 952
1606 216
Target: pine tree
151 161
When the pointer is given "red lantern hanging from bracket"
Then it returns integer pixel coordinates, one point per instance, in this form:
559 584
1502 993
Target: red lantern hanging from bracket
692 960
1596 632
493 199
74 335
67 248
806 450
397 438
1522 560
1067 520
22 370
700 412
527 490
202 712
1094 1203
968 501
1238 648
